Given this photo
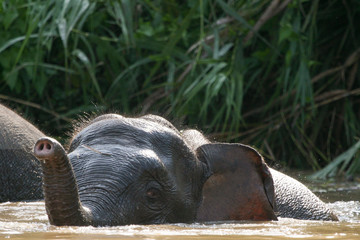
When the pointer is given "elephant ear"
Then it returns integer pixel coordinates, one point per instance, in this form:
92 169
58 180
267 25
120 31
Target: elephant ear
240 186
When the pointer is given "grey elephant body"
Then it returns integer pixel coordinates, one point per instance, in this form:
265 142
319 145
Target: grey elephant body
149 137
20 171
295 200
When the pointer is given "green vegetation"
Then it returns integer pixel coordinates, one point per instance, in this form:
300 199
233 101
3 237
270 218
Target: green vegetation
280 75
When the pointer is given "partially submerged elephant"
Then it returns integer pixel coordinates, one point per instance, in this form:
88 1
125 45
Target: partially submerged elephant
144 171
20 171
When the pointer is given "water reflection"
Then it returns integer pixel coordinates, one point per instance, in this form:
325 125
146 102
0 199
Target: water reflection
29 221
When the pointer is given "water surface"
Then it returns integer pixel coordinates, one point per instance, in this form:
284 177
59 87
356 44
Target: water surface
28 220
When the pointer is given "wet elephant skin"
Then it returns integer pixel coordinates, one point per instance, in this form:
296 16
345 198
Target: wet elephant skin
20 172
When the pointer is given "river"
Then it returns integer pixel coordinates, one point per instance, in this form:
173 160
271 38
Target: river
28 220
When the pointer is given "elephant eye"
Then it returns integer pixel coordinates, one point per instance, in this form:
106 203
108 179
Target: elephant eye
153 193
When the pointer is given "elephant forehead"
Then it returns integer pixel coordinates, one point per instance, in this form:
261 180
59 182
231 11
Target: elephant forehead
113 155
132 131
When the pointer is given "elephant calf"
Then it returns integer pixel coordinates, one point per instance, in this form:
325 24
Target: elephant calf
143 170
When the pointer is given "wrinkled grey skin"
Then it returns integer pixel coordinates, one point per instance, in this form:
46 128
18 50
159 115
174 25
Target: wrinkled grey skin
293 199
20 171
121 171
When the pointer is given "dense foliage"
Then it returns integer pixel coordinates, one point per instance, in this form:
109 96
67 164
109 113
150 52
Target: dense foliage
280 75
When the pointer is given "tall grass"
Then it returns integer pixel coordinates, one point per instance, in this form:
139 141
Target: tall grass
280 75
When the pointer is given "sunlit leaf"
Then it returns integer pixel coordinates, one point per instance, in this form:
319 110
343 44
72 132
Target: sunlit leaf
340 162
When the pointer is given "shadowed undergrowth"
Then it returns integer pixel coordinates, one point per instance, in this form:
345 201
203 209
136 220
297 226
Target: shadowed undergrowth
280 75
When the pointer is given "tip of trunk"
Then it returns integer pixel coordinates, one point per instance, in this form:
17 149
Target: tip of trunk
48 148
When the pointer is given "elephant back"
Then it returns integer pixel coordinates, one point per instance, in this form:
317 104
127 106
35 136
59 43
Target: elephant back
20 172
295 200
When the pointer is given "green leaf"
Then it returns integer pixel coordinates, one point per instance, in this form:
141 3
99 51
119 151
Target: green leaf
285 32
62 26
85 60
11 79
13 41
339 163
9 17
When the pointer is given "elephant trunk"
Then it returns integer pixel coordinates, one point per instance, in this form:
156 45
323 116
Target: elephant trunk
62 200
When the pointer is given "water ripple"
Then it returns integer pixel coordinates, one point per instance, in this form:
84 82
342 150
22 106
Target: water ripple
29 221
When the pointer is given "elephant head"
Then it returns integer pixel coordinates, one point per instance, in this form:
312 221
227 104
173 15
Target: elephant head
121 171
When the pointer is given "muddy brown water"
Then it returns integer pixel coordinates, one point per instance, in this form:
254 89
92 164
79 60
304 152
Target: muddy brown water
28 220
